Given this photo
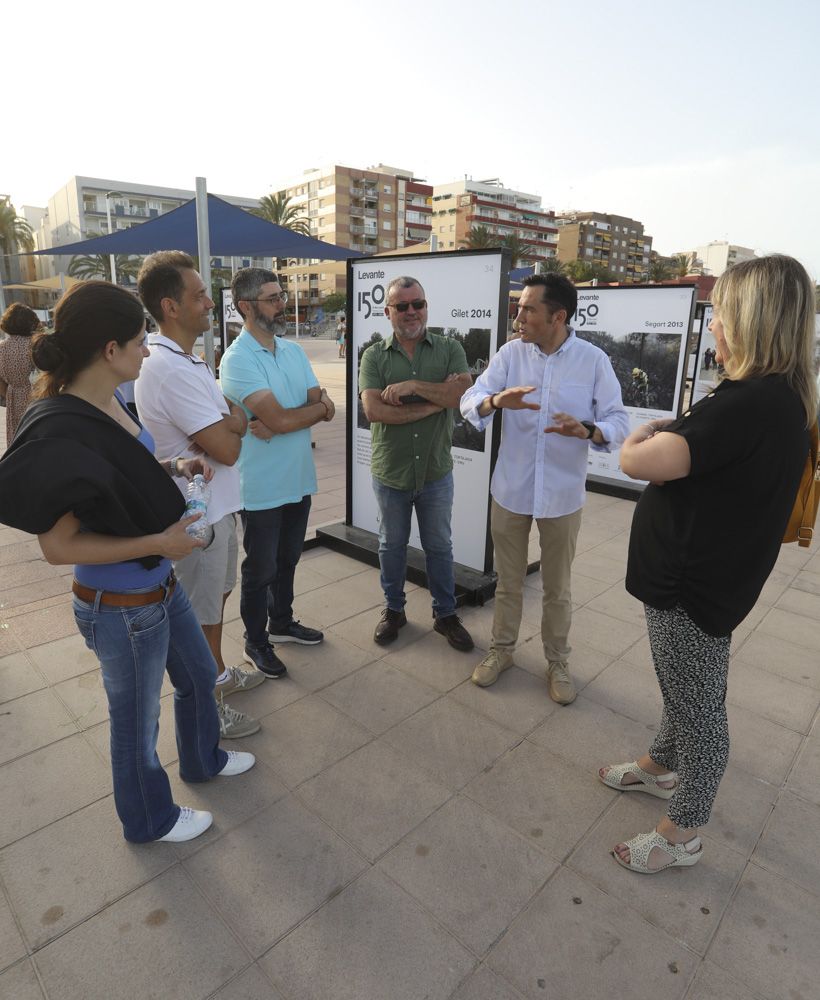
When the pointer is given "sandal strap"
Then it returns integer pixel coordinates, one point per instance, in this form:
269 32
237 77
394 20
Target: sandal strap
641 846
618 771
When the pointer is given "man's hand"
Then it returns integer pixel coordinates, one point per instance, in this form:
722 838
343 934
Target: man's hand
190 467
240 418
329 404
259 430
513 398
393 393
566 425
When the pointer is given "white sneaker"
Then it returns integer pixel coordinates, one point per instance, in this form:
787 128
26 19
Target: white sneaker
238 763
190 824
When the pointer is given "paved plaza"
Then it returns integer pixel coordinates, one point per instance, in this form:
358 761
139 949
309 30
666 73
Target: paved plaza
406 835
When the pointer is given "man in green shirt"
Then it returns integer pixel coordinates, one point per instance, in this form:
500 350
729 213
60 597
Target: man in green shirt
408 385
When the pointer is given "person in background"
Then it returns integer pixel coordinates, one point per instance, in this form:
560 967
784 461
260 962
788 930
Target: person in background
16 365
736 457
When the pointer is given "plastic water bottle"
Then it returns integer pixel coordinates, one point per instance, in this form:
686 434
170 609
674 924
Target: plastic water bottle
198 497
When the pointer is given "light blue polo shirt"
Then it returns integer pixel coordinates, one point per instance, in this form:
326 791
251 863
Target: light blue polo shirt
281 470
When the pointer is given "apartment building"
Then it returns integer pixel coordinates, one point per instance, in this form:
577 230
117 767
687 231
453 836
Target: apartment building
715 257
371 210
80 210
462 204
615 242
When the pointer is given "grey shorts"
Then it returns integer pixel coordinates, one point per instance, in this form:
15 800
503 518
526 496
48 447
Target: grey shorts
208 574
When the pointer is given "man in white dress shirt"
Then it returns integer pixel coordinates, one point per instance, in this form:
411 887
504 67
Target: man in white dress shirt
562 395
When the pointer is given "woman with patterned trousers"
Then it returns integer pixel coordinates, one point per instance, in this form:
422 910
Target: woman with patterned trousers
734 460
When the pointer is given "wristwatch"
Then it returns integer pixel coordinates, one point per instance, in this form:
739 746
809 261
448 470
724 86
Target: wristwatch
591 428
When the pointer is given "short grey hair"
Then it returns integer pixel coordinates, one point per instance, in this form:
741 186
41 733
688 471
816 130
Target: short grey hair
247 284
405 281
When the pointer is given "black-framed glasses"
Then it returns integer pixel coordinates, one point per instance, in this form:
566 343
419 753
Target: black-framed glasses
276 297
402 307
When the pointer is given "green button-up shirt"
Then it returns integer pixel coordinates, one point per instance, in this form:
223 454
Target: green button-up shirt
406 456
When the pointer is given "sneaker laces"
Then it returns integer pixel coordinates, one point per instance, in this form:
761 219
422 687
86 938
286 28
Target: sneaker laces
239 676
186 814
228 716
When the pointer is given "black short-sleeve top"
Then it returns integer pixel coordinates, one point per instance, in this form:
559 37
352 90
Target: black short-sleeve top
709 541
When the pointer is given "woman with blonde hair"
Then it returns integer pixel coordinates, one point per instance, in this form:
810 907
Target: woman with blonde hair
81 475
734 460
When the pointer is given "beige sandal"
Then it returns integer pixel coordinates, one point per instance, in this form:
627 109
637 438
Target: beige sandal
640 847
648 782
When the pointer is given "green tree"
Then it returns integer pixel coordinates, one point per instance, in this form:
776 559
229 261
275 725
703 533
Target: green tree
584 270
683 264
519 249
659 270
98 265
480 238
335 302
15 234
276 208
553 266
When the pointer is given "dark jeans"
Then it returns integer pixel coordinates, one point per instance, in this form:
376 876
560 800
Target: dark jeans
273 541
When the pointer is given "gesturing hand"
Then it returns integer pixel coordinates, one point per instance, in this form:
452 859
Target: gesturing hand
566 425
513 398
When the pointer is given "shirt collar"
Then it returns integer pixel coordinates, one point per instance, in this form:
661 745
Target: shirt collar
160 340
392 341
537 352
254 344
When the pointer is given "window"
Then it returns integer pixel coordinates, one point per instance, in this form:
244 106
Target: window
386 207
387 225
388 189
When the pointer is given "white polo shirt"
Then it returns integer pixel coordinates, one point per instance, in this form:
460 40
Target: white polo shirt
177 396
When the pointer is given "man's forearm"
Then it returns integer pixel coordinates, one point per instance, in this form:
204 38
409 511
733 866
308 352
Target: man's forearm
408 413
444 394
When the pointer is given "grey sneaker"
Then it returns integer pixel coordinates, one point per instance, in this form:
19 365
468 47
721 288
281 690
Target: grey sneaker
560 686
233 724
486 673
240 680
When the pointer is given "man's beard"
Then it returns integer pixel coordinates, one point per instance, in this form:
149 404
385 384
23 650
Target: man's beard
277 325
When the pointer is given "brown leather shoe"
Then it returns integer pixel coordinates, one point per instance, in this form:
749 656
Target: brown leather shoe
388 628
454 632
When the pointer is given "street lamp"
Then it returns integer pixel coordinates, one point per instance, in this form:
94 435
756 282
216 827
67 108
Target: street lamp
108 196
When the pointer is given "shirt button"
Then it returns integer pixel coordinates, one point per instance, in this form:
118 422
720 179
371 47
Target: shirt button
415 435
417 458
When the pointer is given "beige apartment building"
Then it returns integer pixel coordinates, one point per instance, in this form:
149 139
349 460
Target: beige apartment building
462 204
371 210
614 242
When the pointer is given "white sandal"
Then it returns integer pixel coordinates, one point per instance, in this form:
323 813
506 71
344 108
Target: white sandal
640 847
648 782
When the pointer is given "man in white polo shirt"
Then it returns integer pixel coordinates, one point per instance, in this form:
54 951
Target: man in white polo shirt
272 378
180 403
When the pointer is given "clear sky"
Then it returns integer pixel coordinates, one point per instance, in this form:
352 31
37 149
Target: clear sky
699 119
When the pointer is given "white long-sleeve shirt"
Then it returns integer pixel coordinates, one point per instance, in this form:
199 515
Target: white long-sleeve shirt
544 474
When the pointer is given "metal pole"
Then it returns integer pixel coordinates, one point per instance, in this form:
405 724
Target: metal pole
2 294
296 301
203 242
111 255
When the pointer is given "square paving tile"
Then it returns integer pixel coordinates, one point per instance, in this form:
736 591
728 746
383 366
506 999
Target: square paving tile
142 946
452 743
48 784
599 567
782 658
373 797
64 658
432 661
12 948
44 625
334 603
479 623
565 950
31 722
713 983
69 870
804 779
372 942
359 629
790 844
20 982
794 628
629 690
18 677
314 667
617 603
741 809
518 701
688 903
585 663
251 984
304 738
469 870
760 747
85 698
774 698
546 799
272 871
334 566
768 937
605 633
378 696
484 984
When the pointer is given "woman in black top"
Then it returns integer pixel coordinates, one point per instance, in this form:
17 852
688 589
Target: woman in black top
706 534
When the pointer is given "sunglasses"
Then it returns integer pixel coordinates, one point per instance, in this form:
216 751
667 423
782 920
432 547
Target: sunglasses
417 304
275 297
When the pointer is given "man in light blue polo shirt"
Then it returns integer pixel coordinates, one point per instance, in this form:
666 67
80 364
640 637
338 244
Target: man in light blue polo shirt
272 379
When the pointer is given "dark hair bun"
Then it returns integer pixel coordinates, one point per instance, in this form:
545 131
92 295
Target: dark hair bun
47 352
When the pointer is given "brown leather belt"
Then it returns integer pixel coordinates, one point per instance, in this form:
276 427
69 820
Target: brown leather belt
89 595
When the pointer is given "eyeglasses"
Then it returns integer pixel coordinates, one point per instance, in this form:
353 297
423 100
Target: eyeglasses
276 297
402 307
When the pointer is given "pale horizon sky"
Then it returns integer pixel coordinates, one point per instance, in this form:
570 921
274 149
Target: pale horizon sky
699 121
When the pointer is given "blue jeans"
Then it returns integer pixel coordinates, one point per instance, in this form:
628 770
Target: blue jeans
434 505
273 541
135 646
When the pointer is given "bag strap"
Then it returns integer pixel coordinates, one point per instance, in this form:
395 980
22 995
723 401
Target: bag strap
806 529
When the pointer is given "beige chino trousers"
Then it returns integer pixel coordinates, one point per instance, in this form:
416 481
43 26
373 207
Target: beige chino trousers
511 534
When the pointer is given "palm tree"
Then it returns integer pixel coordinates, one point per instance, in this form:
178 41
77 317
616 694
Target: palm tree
276 208
553 266
683 264
584 270
15 234
519 250
481 238
98 265
658 270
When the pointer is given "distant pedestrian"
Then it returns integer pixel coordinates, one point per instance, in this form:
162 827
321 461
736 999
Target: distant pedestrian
16 366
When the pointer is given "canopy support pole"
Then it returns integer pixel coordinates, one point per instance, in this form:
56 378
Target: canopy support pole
203 242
